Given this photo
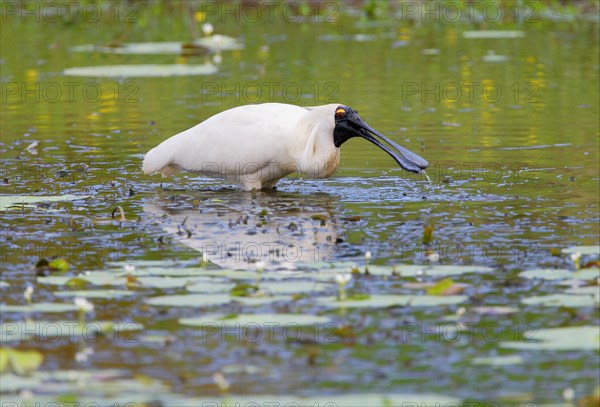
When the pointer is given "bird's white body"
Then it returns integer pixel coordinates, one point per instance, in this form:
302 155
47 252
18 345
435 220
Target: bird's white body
253 146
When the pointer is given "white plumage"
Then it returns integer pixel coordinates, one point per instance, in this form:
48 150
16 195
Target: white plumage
256 145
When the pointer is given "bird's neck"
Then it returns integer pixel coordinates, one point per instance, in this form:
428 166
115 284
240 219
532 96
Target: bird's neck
314 151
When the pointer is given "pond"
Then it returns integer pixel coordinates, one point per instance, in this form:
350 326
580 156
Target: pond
475 282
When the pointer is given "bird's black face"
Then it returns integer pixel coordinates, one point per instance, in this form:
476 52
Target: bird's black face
348 124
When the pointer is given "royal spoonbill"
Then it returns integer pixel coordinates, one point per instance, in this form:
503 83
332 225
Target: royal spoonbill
256 145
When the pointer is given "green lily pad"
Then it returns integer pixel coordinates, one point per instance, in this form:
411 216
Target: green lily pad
571 282
442 270
498 360
255 301
560 274
12 383
158 339
107 294
215 42
139 48
51 330
20 361
591 290
247 320
140 71
340 266
384 300
345 400
144 263
100 387
251 275
209 287
164 282
412 270
59 264
101 279
219 42
494 58
557 339
168 272
582 250
493 34
562 300
440 287
16 201
494 310
189 300
296 287
49 307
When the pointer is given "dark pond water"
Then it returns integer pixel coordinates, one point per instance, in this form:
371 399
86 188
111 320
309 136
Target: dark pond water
513 179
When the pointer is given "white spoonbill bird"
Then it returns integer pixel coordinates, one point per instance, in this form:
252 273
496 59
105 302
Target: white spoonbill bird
256 145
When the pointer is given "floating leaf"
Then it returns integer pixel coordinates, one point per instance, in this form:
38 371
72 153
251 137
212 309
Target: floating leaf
411 270
382 301
14 383
59 264
251 275
3 359
254 301
441 287
582 250
140 71
493 34
12 201
240 369
579 338
20 361
297 287
145 263
195 272
46 307
165 282
498 360
209 287
405 270
267 320
189 300
346 400
491 56
494 310
97 278
244 290
561 300
107 294
591 290
138 48
442 270
51 330
219 43
214 42
101 387
560 274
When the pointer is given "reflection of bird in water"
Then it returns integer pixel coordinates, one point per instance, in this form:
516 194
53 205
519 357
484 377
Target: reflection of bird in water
283 229
256 145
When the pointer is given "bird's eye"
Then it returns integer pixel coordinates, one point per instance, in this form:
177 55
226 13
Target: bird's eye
340 113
